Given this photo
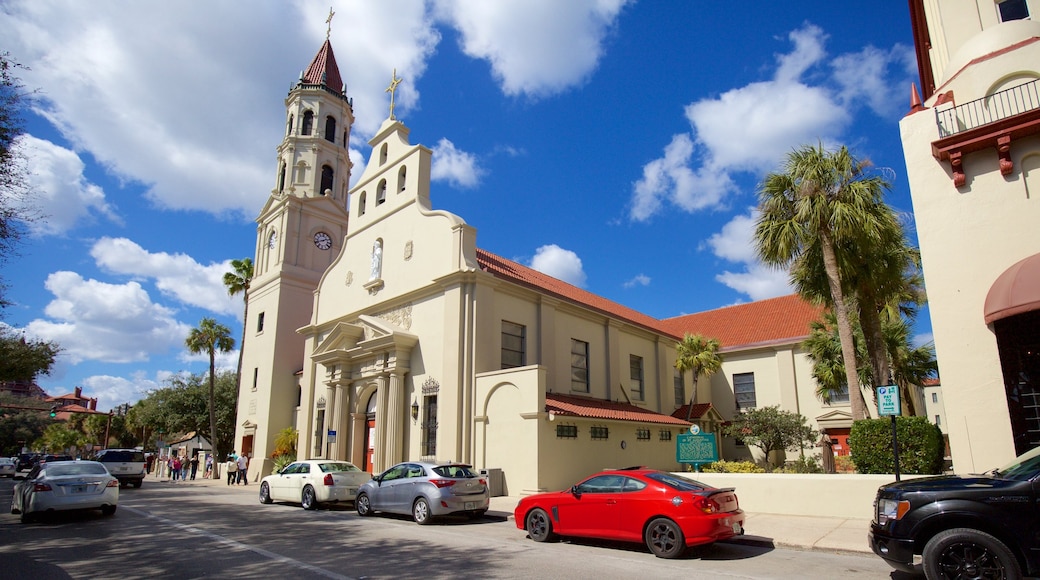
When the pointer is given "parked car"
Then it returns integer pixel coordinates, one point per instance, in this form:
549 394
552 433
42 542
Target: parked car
41 459
65 485
425 490
962 526
27 460
312 482
667 512
8 467
127 465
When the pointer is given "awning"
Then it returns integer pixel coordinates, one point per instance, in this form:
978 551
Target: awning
1015 291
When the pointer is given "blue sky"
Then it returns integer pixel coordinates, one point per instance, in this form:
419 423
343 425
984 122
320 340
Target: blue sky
614 144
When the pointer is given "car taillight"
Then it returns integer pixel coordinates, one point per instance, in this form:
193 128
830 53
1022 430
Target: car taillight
443 482
328 479
706 504
112 483
41 487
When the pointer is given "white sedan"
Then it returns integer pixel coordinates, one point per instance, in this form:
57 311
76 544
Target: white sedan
312 482
8 467
65 485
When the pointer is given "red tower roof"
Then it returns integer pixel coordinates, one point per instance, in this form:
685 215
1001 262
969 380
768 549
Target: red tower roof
323 69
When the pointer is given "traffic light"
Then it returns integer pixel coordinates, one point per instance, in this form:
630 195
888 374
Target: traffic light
54 411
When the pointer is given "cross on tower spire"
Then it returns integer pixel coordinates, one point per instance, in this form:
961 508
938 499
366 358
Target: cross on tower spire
394 81
328 21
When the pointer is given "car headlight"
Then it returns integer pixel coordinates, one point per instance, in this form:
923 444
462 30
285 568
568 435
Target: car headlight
891 510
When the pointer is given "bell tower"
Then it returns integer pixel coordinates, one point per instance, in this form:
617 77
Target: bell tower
300 231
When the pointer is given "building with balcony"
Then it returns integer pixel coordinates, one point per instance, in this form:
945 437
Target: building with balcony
972 149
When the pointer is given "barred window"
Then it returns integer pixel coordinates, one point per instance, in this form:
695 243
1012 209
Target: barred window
744 390
514 345
665 435
679 385
579 366
599 432
643 434
635 373
567 431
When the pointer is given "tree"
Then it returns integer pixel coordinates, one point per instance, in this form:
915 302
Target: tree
772 429
59 438
210 337
698 354
820 201
237 281
21 361
180 406
16 202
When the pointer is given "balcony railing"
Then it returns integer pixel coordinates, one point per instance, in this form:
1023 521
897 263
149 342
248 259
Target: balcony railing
990 109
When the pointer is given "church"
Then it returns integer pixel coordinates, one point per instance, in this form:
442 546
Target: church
378 329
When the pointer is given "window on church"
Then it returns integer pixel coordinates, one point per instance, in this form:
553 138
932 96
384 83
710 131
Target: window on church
308 123
260 322
514 343
256 377
1012 10
330 129
281 178
327 178
429 426
599 432
744 390
381 193
401 175
679 386
635 375
288 128
361 204
383 153
319 433
346 138
579 365
841 395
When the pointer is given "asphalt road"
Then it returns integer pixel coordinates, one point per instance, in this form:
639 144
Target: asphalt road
185 530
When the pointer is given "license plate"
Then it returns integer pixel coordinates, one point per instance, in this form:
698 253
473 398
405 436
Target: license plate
471 505
351 492
79 489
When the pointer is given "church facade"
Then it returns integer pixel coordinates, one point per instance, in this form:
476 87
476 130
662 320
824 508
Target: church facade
380 331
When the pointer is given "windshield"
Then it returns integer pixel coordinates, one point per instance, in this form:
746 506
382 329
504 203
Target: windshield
337 467
1023 468
76 469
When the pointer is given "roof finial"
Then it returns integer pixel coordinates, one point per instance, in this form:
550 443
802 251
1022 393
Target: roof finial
328 31
394 81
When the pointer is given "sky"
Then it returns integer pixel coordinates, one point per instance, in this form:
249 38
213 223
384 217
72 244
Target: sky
614 144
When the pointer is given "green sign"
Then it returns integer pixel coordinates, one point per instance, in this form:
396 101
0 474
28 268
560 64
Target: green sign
696 449
888 401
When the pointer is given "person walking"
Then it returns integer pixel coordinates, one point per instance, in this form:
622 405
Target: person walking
184 467
243 468
209 466
175 467
232 468
194 466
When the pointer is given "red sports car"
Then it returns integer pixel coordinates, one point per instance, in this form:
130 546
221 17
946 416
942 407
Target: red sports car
667 511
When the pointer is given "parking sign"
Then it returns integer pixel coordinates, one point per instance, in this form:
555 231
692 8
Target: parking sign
888 401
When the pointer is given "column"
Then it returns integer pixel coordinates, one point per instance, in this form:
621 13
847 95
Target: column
395 413
382 459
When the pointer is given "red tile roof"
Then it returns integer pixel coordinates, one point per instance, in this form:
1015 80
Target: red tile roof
774 321
519 274
699 410
567 405
323 69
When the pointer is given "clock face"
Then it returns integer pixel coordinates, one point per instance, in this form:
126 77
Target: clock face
322 240
272 240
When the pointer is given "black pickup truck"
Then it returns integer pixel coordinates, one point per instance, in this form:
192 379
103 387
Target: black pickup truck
973 526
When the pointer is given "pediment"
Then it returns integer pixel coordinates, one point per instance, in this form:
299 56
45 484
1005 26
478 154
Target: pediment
836 419
365 335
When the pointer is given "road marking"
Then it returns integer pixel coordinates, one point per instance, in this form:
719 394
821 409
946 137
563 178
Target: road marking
240 545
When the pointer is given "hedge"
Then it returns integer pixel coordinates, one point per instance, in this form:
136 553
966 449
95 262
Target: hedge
921 446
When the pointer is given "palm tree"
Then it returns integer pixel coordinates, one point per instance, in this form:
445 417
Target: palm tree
210 337
698 354
820 201
236 282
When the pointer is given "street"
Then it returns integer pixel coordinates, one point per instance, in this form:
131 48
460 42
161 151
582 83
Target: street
196 529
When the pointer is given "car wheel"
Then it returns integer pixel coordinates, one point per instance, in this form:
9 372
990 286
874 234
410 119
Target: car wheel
665 539
421 511
137 484
539 526
108 510
363 505
308 501
968 553
27 517
265 493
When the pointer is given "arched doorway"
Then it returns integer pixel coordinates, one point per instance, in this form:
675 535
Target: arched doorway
369 458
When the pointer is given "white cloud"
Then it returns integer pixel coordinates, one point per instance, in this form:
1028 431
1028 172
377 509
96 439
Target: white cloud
111 391
735 243
457 167
176 275
757 281
559 263
638 280
750 129
61 193
93 320
535 47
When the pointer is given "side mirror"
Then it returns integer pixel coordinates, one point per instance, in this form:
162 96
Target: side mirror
575 491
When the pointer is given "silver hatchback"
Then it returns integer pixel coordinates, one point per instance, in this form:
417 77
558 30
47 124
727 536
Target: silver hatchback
425 490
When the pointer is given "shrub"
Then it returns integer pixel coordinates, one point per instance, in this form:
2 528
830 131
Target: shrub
844 464
772 429
804 464
280 461
920 446
724 466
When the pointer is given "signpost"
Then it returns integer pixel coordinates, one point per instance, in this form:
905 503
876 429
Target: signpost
888 404
696 448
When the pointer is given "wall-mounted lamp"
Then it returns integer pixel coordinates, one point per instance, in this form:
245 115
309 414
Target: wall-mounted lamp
415 410
552 415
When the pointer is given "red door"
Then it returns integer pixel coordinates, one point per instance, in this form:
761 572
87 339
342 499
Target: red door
841 441
370 446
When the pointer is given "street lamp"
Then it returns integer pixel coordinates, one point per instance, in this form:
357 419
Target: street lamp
415 410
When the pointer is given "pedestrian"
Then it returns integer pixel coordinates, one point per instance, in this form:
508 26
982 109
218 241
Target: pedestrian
184 467
209 466
232 468
194 466
243 468
175 466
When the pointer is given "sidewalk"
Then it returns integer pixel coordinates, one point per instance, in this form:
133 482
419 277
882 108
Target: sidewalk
843 535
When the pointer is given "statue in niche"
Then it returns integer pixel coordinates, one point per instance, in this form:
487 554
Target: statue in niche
377 260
